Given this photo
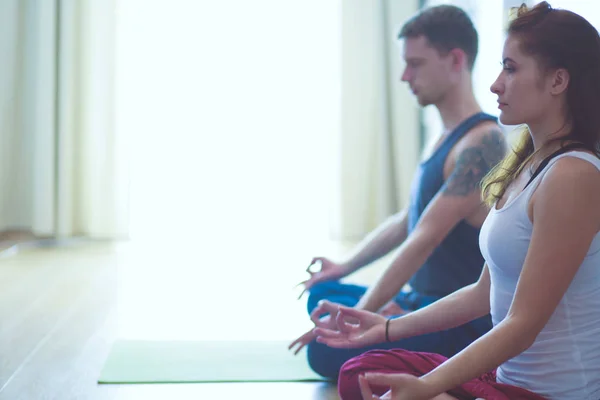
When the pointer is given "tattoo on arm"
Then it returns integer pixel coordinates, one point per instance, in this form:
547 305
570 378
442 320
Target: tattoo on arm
474 163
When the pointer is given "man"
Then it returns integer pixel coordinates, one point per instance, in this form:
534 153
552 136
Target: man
437 234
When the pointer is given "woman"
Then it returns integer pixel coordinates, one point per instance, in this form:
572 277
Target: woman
541 243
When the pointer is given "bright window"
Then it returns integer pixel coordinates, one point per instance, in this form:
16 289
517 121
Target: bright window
231 107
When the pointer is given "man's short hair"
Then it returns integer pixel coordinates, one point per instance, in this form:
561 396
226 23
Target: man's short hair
446 27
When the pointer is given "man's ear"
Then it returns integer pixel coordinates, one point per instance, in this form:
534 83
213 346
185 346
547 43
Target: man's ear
560 81
459 59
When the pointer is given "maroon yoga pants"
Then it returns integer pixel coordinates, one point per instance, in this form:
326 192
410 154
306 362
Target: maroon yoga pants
417 364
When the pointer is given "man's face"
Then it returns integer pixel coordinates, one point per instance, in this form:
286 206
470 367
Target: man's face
427 72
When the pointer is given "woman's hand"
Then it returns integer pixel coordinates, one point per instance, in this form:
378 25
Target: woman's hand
402 387
353 328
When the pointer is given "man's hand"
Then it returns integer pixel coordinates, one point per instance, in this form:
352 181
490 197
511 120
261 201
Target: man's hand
329 271
309 336
323 316
303 341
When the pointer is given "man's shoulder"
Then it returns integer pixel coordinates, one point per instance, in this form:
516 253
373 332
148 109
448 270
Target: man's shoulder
481 131
483 147
487 134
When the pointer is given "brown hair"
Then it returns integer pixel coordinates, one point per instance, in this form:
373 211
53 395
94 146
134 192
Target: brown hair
446 27
557 39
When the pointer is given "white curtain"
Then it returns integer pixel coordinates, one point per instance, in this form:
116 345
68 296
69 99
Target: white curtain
378 148
63 169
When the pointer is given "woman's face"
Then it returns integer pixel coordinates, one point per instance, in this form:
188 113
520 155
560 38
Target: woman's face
521 87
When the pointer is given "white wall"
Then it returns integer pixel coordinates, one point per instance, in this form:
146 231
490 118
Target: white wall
588 9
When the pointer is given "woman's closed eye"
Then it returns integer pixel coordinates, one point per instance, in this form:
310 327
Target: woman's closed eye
507 68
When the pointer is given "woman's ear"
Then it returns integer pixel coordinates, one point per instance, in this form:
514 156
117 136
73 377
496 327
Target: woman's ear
560 81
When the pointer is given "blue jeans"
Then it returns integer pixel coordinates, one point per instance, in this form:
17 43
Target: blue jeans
327 361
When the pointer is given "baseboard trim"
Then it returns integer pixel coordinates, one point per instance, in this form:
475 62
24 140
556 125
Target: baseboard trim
12 249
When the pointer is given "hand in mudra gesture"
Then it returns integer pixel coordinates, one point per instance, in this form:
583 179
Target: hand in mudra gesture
352 329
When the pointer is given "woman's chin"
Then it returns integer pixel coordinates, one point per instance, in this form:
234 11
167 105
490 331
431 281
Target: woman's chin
507 120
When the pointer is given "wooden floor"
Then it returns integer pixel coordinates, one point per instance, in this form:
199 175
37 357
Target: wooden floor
61 308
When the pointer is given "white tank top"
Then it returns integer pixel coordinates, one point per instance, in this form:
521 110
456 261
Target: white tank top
564 361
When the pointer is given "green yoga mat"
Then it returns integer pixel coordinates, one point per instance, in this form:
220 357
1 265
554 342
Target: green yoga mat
132 361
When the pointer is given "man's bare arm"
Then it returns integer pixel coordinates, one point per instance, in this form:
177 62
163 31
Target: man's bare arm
458 198
474 163
385 238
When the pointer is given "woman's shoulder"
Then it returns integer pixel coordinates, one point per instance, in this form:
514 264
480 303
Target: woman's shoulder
574 173
569 194
575 163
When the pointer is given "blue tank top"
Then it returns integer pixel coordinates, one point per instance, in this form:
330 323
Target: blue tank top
457 261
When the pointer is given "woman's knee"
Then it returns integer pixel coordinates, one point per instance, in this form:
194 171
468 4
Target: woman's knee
385 361
348 387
